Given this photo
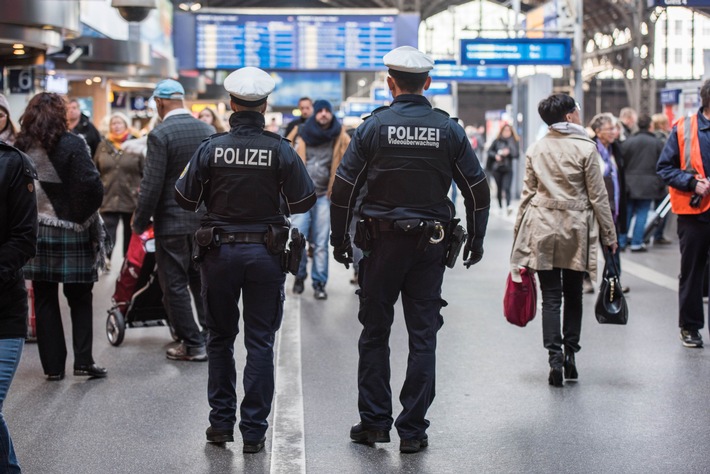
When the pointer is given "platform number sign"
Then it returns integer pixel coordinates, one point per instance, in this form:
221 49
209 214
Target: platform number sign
21 81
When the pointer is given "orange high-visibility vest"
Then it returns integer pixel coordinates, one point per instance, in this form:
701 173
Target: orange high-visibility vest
691 162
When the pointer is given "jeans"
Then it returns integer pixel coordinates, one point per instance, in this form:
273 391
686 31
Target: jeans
316 224
638 208
555 285
504 179
10 352
176 272
50 332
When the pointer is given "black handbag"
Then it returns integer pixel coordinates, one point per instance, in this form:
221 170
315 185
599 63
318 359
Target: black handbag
611 307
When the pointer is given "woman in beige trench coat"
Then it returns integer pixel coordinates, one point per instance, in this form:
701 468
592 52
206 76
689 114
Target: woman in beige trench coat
563 205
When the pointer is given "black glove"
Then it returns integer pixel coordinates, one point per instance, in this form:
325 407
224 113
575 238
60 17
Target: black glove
343 252
473 251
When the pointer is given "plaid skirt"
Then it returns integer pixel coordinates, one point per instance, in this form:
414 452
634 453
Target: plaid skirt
63 256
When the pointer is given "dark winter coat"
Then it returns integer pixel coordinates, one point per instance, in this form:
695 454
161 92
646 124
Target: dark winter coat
641 152
18 237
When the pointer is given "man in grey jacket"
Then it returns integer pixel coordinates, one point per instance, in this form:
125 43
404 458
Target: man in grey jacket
170 146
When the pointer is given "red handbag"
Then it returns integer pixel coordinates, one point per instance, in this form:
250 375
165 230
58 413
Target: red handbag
520 300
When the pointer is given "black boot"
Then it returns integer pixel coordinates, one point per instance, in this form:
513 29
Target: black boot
556 359
570 366
555 377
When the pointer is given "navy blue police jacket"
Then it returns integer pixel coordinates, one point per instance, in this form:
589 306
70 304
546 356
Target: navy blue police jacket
408 153
248 178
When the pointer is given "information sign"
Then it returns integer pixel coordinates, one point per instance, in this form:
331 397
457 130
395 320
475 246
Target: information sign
21 81
516 51
302 42
448 71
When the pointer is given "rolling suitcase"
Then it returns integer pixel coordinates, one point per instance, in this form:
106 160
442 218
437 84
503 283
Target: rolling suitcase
656 217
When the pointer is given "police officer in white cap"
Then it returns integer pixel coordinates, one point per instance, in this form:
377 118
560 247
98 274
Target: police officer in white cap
245 177
407 154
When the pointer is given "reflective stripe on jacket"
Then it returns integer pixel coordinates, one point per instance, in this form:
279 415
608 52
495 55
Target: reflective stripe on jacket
690 162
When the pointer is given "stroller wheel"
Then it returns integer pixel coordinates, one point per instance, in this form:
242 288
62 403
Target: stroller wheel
115 327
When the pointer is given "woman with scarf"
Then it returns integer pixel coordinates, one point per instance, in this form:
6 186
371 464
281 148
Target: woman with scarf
606 132
562 206
71 241
8 133
121 170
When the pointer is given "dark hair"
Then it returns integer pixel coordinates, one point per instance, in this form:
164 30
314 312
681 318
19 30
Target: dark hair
305 98
411 82
8 124
644 122
43 123
705 94
554 108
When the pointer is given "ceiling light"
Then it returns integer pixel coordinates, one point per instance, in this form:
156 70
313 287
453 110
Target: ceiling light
18 46
88 82
97 79
19 52
190 6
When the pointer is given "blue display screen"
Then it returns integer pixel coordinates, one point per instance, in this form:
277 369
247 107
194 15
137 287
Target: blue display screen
296 42
448 71
516 51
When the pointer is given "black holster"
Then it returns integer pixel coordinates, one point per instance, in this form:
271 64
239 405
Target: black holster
456 240
291 258
205 239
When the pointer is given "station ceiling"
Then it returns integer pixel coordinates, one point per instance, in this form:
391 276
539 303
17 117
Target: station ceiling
427 8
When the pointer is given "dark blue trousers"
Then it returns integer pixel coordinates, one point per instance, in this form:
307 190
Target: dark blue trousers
228 273
694 238
396 266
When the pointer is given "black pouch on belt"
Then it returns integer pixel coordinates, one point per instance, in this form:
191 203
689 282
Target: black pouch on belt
204 238
276 238
363 237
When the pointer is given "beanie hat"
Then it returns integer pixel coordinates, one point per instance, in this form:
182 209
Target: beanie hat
322 104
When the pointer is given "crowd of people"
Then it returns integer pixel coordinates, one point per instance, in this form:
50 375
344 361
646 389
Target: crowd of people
219 205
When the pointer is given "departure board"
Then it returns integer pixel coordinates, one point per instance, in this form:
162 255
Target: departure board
294 42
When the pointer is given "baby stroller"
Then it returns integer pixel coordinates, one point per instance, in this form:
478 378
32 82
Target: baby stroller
137 301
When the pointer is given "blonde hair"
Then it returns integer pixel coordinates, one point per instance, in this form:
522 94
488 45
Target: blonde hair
659 122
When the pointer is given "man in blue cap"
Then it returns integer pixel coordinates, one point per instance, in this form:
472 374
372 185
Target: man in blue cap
250 179
170 146
321 143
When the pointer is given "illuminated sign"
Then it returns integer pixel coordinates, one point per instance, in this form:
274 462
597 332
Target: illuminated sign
448 71
295 42
516 51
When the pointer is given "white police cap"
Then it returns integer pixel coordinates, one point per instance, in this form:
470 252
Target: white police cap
249 86
408 59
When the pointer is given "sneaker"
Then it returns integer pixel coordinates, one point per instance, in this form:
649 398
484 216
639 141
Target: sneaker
691 338
190 354
662 241
638 248
298 286
319 292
